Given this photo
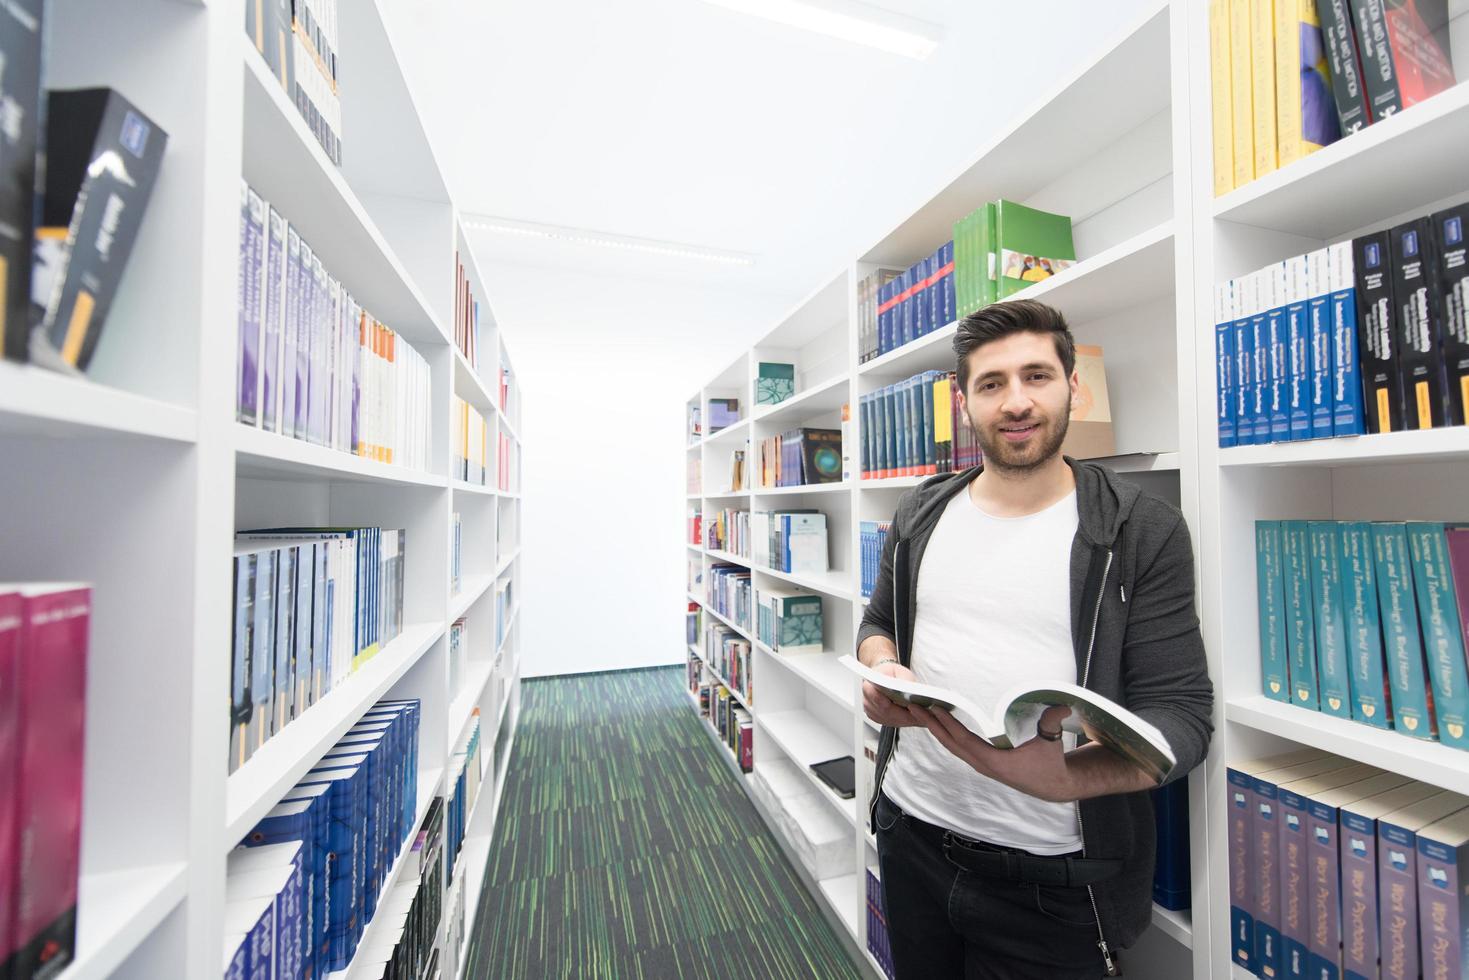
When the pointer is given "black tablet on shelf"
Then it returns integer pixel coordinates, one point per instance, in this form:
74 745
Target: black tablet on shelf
839 774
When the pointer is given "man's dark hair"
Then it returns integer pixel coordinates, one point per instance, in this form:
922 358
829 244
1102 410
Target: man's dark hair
1003 319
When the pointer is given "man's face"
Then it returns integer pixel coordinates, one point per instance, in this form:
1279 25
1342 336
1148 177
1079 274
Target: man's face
1018 400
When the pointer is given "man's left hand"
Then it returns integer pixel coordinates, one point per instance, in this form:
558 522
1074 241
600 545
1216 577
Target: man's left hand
1038 768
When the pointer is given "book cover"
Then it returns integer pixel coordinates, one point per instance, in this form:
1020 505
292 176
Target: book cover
274 321
1397 880
723 412
1274 673
1222 107
948 305
21 46
1419 324
1333 671
798 622
1443 641
1031 246
774 382
1456 539
12 611
1244 361
1412 713
821 455
1260 284
1453 297
290 332
250 304
989 249
1299 614
1224 363
1298 341
1402 63
1305 110
241 653
1443 896
51 692
1376 316
1241 92
1348 410
102 158
1262 85
1278 393
1317 291
1371 702
1357 853
307 630
287 623
1344 66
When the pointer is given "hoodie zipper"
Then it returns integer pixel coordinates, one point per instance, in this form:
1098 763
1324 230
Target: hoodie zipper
1080 826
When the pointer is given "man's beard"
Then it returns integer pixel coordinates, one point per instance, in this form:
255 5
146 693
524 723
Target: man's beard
1003 455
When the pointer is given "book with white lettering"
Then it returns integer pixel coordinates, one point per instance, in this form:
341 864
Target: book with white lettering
1018 710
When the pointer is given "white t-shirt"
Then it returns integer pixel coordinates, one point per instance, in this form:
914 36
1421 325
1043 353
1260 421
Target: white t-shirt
994 610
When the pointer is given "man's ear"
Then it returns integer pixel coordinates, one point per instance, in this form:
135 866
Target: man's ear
1075 382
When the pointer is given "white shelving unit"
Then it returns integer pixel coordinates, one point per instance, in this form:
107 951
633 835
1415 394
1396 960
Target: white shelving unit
1135 174
135 477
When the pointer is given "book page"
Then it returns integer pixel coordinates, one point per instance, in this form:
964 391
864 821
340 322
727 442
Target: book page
1103 720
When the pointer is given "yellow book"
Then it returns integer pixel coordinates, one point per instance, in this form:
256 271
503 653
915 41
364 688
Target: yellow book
1305 116
1239 92
1219 69
1262 82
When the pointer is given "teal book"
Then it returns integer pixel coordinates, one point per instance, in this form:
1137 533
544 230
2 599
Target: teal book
1274 677
1443 644
1030 246
1300 629
1402 646
774 382
1332 673
1371 703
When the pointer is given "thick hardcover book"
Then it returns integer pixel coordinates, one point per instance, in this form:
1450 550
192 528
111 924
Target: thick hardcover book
1274 672
1412 713
1419 325
1443 896
1452 283
1224 363
774 382
102 158
12 611
1402 63
317 861
1443 640
1277 394
1031 246
51 693
1261 285
821 455
1298 341
290 332
251 304
275 307
241 654
1333 669
287 632
1457 541
1344 65
1397 880
1221 105
1262 85
1347 368
1244 361
1299 614
1357 852
1240 91
1371 702
1305 112
1376 316
20 47
1317 290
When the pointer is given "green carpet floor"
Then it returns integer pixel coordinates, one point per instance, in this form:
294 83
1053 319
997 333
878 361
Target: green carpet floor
626 849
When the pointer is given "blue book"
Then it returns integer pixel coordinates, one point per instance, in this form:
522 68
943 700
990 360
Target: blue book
1348 417
921 296
236 956
1278 393
320 866
1244 364
890 427
950 305
344 889
1402 647
1269 578
367 756
1298 346
274 872
289 334
309 684
1224 362
293 822
262 666
300 660
1332 671
1363 629
241 653
1300 621
1443 643
1263 352
1318 316
255 918
287 619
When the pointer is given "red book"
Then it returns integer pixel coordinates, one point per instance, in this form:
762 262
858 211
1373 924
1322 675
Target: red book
52 694
10 622
1458 541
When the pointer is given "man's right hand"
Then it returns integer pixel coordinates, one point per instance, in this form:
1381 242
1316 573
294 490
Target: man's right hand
876 704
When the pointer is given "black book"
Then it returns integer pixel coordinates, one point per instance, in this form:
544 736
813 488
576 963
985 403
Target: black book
839 774
1382 386
102 158
821 455
1453 290
268 26
20 80
1416 299
1340 38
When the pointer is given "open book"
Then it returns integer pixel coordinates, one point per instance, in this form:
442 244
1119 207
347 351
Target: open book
1018 711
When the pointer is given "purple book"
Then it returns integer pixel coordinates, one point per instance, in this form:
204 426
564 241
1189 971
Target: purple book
1458 544
1357 851
275 307
1241 905
250 301
11 611
1443 865
1397 880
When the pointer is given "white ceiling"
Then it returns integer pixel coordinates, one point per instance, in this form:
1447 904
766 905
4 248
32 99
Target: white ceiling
684 121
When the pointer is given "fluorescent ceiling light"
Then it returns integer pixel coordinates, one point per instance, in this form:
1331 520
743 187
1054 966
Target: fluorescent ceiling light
847 20
582 236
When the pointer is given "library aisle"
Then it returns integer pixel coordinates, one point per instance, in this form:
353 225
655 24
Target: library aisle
625 847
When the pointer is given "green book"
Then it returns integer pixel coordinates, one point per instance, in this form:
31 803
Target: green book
1371 704
1300 636
1333 674
1274 678
1402 641
989 256
1443 644
774 383
797 621
961 266
1030 246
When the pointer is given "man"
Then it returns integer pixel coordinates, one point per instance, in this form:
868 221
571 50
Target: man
1035 861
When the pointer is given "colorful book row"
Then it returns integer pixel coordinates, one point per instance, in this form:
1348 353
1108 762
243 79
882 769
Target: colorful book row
801 457
874 535
730 593
916 427
729 655
790 622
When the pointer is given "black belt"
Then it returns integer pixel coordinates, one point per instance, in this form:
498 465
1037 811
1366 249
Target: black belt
1012 863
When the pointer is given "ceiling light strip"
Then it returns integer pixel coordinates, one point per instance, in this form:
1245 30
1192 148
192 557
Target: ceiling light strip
582 236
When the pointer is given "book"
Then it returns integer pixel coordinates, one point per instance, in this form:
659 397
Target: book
723 412
1171 876
1277 286
1397 878
1269 577
275 873
1402 63
1017 711
1333 671
1376 316
1030 245
1243 294
1339 36
1371 701
774 382
1300 374
1319 331
1419 324
1262 85
1443 641
790 621
1306 118
1347 360
1260 298
21 47
839 775
1300 620
1224 382
102 159
1443 900
1452 283
1241 91
1222 107
1411 698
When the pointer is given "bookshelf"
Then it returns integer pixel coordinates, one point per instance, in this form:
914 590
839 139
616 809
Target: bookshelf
135 477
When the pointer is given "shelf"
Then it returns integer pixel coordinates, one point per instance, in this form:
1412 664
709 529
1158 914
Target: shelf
1410 446
1428 762
841 487
726 495
506 562
277 765
269 456
734 692
728 556
695 547
1138 462
892 483
843 893
822 672
728 432
460 486
470 386
838 585
728 622
504 704
509 428
283 161
823 399
1177 926
472 686
807 741
474 588
509 624
117 910
724 751
38 402
1409 160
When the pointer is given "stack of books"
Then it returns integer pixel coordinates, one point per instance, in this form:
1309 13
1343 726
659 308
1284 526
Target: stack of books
801 457
311 605
44 632
730 593
915 427
299 41
898 308
471 444
792 541
874 535
462 783
728 655
877 925
338 832
790 622
728 530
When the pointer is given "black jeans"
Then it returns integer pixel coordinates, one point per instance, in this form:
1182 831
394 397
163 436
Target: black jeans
947 921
